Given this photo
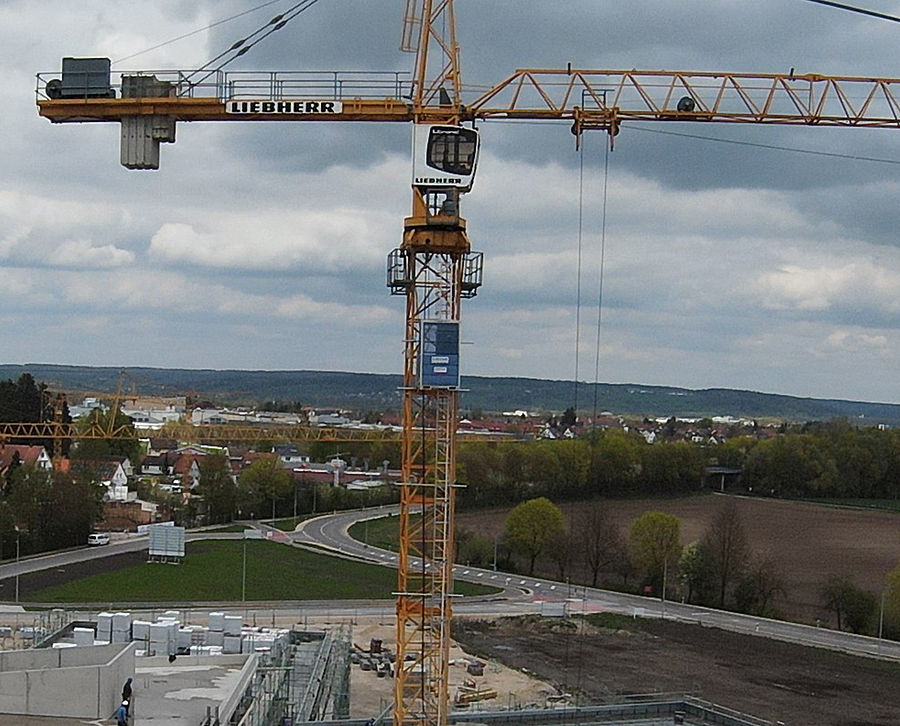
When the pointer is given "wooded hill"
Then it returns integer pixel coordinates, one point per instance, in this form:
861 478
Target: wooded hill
379 392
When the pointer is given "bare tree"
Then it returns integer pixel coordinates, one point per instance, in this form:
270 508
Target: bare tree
599 538
726 548
560 550
759 587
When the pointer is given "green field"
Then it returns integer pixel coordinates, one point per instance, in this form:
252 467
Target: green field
212 571
287 524
383 533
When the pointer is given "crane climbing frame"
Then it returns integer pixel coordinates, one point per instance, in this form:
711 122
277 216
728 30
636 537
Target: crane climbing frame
434 268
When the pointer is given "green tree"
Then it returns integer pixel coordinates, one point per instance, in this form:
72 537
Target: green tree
268 479
218 488
123 440
853 607
655 544
615 461
693 570
892 604
758 587
531 526
790 466
76 505
472 549
671 468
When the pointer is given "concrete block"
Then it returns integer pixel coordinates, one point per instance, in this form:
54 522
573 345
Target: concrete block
233 624
104 626
232 644
140 630
83 636
217 621
184 637
215 638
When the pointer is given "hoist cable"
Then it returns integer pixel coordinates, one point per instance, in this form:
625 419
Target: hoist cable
600 281
242 46
854 9
196 31
578 274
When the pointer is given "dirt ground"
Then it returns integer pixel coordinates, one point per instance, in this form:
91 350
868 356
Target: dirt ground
768 679
808 541
370 695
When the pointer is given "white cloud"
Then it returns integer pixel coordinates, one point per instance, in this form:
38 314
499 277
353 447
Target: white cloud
327 241
853 284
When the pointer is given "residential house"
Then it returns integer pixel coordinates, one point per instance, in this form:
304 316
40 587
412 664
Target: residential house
12 455
290 455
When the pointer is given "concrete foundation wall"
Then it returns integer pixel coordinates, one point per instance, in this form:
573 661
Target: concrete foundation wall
75 682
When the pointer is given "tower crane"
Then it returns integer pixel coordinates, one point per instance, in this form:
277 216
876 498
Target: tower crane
435 268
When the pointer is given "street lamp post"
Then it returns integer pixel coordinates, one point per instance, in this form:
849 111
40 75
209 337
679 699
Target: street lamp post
17 564
665 578
244 572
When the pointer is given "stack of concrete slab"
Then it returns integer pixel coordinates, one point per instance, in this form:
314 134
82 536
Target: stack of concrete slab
121 628
104 627
231 644
233 624
161 642
184 638
83 636
216 635
140 630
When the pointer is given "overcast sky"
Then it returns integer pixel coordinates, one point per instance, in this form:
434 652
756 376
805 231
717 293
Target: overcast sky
263 245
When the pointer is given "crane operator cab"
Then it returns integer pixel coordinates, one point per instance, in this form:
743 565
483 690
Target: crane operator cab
444 161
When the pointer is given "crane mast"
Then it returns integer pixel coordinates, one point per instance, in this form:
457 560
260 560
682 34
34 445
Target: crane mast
434 268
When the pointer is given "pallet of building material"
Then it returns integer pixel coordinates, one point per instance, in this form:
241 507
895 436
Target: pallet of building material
479 694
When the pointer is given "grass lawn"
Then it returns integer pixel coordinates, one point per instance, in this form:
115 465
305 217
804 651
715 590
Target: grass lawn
228 528
211 571
287 524
383 532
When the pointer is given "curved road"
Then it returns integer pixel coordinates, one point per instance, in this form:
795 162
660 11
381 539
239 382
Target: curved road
519 594
548 596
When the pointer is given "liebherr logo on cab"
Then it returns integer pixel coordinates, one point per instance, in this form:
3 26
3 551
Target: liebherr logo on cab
285 107
422 180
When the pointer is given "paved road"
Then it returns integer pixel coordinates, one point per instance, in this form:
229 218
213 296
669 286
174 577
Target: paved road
530 594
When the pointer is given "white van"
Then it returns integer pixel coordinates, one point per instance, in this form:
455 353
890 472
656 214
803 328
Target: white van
98 538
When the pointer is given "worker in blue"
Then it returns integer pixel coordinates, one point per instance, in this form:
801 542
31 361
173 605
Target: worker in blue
122 714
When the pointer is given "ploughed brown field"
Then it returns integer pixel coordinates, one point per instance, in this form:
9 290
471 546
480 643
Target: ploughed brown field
808 542
778 682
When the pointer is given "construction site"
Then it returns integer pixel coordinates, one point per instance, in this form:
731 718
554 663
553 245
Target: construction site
221 667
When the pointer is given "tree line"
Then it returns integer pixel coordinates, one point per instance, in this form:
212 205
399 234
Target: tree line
720 569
